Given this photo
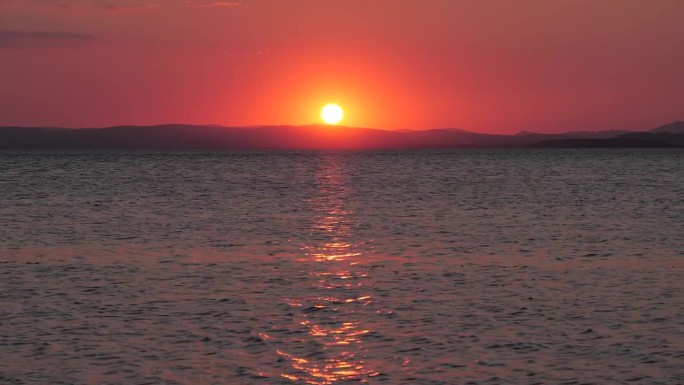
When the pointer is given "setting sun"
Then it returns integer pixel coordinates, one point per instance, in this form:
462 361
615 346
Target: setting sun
332 114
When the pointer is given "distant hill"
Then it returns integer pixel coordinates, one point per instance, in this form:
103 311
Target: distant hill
575 134
643 139
212 137
669 135
672 128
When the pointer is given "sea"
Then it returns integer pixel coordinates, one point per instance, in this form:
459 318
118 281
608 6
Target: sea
549 266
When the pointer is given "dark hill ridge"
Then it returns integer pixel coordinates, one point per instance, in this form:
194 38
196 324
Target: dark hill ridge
672 128
212 137
642 139
669 135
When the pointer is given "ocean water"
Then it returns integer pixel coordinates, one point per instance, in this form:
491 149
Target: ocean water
453 267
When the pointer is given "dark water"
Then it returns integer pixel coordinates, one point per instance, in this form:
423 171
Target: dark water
460 267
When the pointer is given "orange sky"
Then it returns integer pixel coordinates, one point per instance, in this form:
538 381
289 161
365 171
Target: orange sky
488 66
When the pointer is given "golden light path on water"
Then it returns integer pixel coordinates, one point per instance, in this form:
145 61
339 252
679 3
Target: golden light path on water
339 291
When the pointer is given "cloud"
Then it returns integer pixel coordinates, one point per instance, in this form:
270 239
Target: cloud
112 8
39 5
215 4
25 39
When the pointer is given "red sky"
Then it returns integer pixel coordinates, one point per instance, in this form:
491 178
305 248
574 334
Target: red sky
487 66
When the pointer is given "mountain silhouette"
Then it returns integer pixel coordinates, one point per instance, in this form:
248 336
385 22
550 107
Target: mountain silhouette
669 135
672 128
212 137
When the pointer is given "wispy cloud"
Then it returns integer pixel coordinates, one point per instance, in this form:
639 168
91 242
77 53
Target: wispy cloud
114 6
39 5
24 39
215 4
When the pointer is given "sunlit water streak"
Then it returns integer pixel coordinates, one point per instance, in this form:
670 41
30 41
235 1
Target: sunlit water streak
329 311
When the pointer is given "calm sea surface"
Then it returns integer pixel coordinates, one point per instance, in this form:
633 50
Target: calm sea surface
455 267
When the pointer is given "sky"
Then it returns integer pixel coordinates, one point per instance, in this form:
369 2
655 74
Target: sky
496 66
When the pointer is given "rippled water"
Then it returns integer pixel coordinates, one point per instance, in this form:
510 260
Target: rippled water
459 267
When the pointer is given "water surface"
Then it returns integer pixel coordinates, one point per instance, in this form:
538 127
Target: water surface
456 267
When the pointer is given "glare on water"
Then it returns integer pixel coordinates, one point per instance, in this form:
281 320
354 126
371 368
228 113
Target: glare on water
330 312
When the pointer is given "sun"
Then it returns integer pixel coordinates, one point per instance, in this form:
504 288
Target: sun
332 113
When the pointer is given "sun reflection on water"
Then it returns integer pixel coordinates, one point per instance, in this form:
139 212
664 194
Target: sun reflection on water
331 314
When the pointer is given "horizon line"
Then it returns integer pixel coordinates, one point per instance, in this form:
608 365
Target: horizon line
320 124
